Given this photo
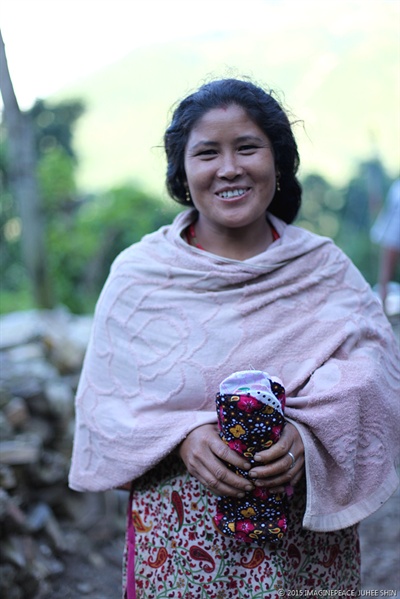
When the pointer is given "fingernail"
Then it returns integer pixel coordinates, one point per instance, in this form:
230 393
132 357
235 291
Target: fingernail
241 495
249 487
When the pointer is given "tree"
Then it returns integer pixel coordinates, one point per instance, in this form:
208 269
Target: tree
53 125
22 163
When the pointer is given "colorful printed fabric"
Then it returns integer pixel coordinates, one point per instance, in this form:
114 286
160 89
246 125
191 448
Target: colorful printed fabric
250 418
177 553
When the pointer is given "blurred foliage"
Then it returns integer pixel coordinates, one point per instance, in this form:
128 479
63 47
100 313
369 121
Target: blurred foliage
85 234
86 240
54 125
56 180
364 197
347 213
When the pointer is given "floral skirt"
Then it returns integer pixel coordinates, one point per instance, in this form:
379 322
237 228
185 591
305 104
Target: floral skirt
174 551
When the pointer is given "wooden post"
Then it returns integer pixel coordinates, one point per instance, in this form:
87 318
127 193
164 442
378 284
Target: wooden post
22 161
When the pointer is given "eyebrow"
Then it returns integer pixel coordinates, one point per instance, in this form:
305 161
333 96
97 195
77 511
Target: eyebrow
240 139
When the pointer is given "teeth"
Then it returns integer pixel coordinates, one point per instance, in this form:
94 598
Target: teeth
232 194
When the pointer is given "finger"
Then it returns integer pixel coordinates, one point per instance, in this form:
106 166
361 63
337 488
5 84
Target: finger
289 476
206 457
287 440
223 489
290 461
214 474
226 454
220 480
288 487
287 462
206 438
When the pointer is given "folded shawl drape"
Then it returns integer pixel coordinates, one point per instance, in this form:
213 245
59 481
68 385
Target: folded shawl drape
173 321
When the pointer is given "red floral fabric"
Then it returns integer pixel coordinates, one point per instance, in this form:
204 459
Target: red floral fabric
179 553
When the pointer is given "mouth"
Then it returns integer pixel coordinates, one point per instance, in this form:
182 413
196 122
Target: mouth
229 194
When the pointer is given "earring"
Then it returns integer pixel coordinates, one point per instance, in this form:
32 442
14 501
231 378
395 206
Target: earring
278 186
188 198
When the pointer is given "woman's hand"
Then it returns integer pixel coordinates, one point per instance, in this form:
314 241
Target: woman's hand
278 469
204 454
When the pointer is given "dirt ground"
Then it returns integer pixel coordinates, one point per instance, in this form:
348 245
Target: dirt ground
93 570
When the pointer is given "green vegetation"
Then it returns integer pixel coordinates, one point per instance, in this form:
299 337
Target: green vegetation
102 176
82 241
346 213
84 233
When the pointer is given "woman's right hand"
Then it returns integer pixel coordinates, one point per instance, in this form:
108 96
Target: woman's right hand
204 454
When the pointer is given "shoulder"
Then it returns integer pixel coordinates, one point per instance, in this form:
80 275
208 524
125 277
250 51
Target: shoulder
157 246
304 244
316 243
135 253
321 255
145 264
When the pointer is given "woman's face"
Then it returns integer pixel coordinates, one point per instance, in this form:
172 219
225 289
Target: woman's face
230 169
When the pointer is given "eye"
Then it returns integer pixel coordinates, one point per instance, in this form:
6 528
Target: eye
206 153
247 149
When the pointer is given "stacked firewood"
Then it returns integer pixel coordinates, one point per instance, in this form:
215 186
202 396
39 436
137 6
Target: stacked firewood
41 354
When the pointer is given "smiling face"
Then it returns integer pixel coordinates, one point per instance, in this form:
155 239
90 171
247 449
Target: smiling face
230 171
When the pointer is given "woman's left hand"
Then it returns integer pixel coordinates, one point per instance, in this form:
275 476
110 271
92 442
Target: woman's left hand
278 469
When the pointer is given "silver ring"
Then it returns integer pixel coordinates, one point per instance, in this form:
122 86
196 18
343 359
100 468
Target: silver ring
293 460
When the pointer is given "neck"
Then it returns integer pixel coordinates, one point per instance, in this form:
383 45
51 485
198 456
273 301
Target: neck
239 243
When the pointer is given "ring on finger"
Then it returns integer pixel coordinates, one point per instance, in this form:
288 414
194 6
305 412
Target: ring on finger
293 460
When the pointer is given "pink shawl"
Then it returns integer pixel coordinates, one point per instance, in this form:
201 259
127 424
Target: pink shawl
173 321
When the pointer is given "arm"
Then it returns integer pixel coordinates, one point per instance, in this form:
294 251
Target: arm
388 260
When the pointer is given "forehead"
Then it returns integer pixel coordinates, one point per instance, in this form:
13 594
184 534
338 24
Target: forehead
231 119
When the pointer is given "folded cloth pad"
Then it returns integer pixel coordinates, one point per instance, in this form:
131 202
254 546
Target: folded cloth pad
250 407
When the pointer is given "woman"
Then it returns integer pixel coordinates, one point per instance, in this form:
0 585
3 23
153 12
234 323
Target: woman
231 285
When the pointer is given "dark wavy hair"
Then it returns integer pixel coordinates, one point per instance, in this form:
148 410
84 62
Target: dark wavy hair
263 110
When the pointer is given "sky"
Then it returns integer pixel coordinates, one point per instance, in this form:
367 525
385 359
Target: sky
57 42
52 43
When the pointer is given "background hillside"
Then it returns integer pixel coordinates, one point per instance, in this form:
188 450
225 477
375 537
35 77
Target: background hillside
337 71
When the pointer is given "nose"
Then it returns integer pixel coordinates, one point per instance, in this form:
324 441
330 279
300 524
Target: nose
229 167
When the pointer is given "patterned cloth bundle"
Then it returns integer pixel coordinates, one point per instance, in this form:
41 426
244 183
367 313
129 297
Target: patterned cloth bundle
250 407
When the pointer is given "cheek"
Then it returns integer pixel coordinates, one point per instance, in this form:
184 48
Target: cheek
268 179
199 177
